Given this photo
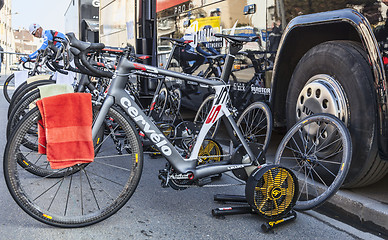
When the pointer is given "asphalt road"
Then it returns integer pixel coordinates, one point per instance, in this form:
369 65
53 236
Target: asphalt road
163 213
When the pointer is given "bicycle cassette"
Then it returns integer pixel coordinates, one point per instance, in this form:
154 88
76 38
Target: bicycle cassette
272 191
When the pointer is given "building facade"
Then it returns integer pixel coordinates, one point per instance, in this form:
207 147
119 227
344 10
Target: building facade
7 41
25 42
6 33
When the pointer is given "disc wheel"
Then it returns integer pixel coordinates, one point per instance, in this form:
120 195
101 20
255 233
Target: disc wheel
318 150
210 152
271 191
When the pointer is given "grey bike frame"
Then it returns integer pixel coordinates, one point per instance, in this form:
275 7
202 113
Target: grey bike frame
117 95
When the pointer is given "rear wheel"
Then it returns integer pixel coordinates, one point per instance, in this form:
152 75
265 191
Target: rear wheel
202 114
318 150
81 197
336 78
255 123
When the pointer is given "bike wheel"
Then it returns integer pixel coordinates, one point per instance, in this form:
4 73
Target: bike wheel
19 111
85 193
173 105
159 105
202 114
22 91
318 150
9 87
255 124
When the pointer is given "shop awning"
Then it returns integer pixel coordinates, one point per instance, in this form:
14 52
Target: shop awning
165 4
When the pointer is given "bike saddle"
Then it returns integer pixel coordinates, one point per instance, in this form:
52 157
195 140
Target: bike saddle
220 56
237 39
179 41
81 45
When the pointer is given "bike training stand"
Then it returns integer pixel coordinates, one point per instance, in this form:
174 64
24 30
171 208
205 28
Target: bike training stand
270 192
245 208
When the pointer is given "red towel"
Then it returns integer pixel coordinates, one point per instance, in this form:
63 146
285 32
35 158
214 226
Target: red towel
67 124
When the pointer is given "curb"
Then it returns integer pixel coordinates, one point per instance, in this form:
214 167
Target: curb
366 213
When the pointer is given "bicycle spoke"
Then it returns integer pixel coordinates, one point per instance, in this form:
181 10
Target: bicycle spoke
91 189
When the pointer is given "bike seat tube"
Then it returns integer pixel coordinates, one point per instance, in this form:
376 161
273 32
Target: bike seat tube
227 69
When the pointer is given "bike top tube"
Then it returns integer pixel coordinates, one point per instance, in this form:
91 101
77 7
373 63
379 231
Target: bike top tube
125 67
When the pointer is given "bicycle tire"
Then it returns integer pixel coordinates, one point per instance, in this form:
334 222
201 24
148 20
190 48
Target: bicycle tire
17 96
203 112
318 150
159 105
8 87
114 178
256 124
21 108
173 105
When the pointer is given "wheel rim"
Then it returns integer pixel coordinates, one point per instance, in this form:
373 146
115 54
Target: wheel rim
322 94
319 172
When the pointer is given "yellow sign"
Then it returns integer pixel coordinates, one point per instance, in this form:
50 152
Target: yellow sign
203 29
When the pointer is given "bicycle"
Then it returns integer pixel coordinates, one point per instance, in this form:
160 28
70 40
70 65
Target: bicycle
248 112
88 193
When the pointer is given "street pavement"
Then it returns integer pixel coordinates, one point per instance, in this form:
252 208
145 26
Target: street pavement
163 213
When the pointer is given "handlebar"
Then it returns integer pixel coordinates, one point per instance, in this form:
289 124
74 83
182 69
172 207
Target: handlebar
84 48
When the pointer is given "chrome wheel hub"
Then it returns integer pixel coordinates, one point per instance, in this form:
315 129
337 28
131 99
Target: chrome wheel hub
321 94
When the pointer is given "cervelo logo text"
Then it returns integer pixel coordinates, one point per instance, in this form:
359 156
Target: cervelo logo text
158 139
213 114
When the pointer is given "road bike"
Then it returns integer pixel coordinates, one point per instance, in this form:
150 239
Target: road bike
85 194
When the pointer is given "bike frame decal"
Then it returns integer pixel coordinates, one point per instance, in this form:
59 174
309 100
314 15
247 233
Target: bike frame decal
139 67
213 114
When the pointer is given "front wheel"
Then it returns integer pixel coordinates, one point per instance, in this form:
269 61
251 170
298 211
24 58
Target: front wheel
318 150
9 87
81 197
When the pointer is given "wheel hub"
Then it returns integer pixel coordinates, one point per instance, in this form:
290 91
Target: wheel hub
322 94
